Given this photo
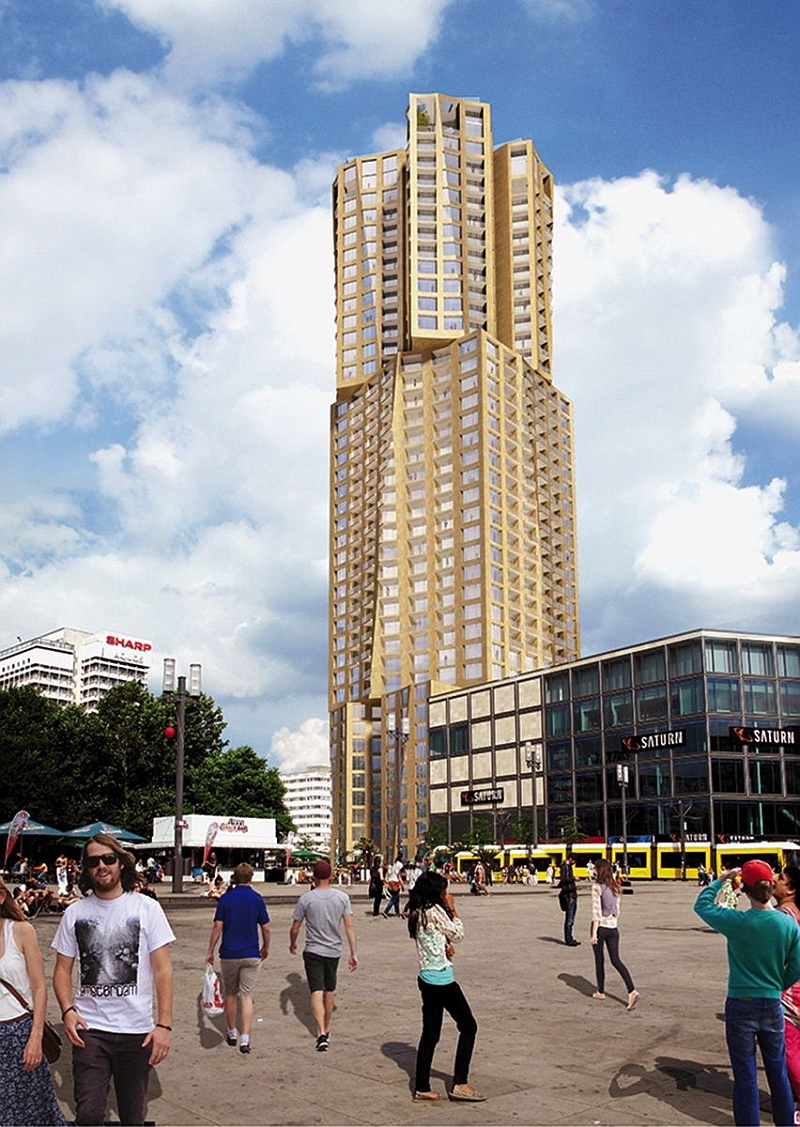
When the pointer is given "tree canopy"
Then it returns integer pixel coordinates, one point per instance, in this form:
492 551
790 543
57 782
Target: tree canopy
69 767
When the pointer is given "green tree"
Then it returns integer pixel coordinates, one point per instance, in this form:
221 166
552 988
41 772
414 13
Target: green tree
237 782
569 829
480 840
365 846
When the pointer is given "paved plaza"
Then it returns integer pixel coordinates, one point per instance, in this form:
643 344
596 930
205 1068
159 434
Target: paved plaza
546 1052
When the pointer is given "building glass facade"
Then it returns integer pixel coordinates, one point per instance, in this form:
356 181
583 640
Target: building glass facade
707 724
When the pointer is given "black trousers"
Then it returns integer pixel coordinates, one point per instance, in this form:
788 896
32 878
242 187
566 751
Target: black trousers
609 937
107 1055
377 900
435 1000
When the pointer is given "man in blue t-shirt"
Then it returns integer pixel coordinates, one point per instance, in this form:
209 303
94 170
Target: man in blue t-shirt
239 915
763 960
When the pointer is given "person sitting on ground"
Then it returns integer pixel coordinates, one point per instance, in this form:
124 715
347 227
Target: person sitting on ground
216 889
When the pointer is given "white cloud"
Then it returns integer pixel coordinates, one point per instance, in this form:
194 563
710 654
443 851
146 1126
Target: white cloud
391 135
560 11
667 341
217 40
309 746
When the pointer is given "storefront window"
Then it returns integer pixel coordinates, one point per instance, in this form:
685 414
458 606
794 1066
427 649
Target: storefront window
437 742
685 659
556 688
790 698
654 779
618 709
588 753
649 667
727 776
686 697
587 715
765 777
558 720
559 756
789 661
589 787
559 790
617 674
760 698
723 695
721 657
757 659
691 776
651 704
586 681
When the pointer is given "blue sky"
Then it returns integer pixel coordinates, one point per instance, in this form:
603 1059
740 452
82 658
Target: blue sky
167 336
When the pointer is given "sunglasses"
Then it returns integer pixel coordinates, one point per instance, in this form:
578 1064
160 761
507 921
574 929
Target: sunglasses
106 858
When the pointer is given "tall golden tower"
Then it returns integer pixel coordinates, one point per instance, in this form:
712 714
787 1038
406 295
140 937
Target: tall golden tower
452 527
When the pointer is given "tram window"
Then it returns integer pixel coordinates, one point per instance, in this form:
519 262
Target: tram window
636 860
672 860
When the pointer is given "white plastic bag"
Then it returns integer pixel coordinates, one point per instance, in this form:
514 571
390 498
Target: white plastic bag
213 998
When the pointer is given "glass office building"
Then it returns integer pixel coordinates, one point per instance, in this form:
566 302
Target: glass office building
707 724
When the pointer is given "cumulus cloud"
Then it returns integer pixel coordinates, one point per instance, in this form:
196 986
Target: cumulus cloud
668 342
224 39
308 746
560 11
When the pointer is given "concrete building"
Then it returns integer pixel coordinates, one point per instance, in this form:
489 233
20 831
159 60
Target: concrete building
707 724
452 527
308 800
74 666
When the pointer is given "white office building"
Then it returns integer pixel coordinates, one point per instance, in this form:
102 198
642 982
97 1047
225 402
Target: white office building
74 666
308 800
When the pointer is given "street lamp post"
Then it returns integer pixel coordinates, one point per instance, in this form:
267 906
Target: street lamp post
622 779
177 692
400 734
533 758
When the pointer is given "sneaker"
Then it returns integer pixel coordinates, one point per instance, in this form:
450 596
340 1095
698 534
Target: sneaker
322 1042
245 1048
231 1039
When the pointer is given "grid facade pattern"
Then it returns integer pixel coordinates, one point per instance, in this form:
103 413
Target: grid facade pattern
708 725
452 499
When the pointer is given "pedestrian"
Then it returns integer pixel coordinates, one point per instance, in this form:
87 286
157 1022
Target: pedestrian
395 884
550 874
324 910
479 880
61 875
568 899
375 889
763 961
785 892
122 943
605 931
241 913
434 925
26 1086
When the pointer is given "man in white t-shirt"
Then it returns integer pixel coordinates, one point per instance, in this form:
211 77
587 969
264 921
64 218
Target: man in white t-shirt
121 941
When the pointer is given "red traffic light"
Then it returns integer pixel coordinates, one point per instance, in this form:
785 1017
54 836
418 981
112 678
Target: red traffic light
170 732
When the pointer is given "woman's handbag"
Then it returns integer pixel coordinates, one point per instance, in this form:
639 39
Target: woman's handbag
51 1041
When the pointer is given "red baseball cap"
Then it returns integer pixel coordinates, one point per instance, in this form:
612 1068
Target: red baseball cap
754 871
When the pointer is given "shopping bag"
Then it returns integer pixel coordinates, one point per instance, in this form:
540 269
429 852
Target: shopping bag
213 998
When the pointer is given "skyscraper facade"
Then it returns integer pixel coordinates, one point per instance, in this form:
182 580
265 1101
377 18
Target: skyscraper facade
452 525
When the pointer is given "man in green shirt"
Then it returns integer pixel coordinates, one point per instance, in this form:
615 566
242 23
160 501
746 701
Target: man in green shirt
763 960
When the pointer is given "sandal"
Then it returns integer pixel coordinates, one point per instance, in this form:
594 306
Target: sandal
466 1093
426 1098
633 998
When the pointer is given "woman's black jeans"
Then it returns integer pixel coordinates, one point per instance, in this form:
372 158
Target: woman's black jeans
609 937
435 1000
377 898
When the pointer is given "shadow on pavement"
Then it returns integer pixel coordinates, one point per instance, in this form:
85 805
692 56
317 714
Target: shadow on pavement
711 1089
579 983
405 1057
296 995
210 1030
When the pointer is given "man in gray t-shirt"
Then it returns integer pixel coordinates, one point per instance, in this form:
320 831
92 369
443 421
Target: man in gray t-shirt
324 909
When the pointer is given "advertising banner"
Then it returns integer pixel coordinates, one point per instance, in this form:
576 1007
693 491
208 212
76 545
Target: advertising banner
14 830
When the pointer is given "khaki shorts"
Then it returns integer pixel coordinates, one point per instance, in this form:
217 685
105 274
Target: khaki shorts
239 975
